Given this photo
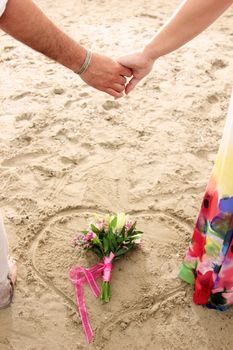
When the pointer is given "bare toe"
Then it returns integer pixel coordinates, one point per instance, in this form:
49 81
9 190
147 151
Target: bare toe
13 269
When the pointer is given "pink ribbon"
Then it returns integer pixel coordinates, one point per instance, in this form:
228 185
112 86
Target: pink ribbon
108 268
79 276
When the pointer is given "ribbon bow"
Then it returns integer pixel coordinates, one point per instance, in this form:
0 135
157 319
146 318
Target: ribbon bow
79 276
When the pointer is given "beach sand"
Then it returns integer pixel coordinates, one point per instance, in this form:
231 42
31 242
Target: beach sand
67 151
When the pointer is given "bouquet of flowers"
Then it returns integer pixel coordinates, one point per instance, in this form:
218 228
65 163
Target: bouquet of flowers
110 238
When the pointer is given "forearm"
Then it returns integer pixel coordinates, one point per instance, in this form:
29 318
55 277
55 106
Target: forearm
191 18
24 21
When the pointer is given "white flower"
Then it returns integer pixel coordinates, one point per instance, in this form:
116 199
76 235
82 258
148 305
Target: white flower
108 218
121 221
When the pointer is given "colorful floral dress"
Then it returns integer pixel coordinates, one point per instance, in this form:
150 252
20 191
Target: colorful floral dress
209 260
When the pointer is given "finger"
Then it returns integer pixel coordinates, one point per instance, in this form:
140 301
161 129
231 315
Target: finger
114 93
131 85
122 80
119 87
125 71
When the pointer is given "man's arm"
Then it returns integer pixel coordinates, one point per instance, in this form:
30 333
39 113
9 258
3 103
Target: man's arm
190 19
24 21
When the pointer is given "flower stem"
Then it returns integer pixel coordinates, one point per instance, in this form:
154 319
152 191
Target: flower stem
105 292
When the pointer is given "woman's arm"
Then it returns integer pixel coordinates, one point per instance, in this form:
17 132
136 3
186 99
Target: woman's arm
24 21
189 20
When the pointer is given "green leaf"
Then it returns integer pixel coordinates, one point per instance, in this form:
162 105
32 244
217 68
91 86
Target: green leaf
84 232
113 240
132 229
123 231
113 223
132 238
130 246
106 245
111 246
95 229
97 251
121 251
96 242
120 239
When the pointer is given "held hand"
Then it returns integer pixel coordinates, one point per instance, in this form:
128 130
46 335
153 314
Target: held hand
140 64
106 75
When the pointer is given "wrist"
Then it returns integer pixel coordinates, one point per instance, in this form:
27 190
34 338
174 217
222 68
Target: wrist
75 57
85 64
151 53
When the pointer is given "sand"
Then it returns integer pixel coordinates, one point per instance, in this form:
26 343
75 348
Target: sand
67 151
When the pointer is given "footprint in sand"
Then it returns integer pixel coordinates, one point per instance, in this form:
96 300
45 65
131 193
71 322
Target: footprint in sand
21 159
218 64
21 95
24 116
108 105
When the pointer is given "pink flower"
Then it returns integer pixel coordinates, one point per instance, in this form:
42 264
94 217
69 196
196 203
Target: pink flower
89 236
80 241
128 225
100 224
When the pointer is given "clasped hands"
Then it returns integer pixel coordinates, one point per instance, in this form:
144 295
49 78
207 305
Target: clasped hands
110 76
